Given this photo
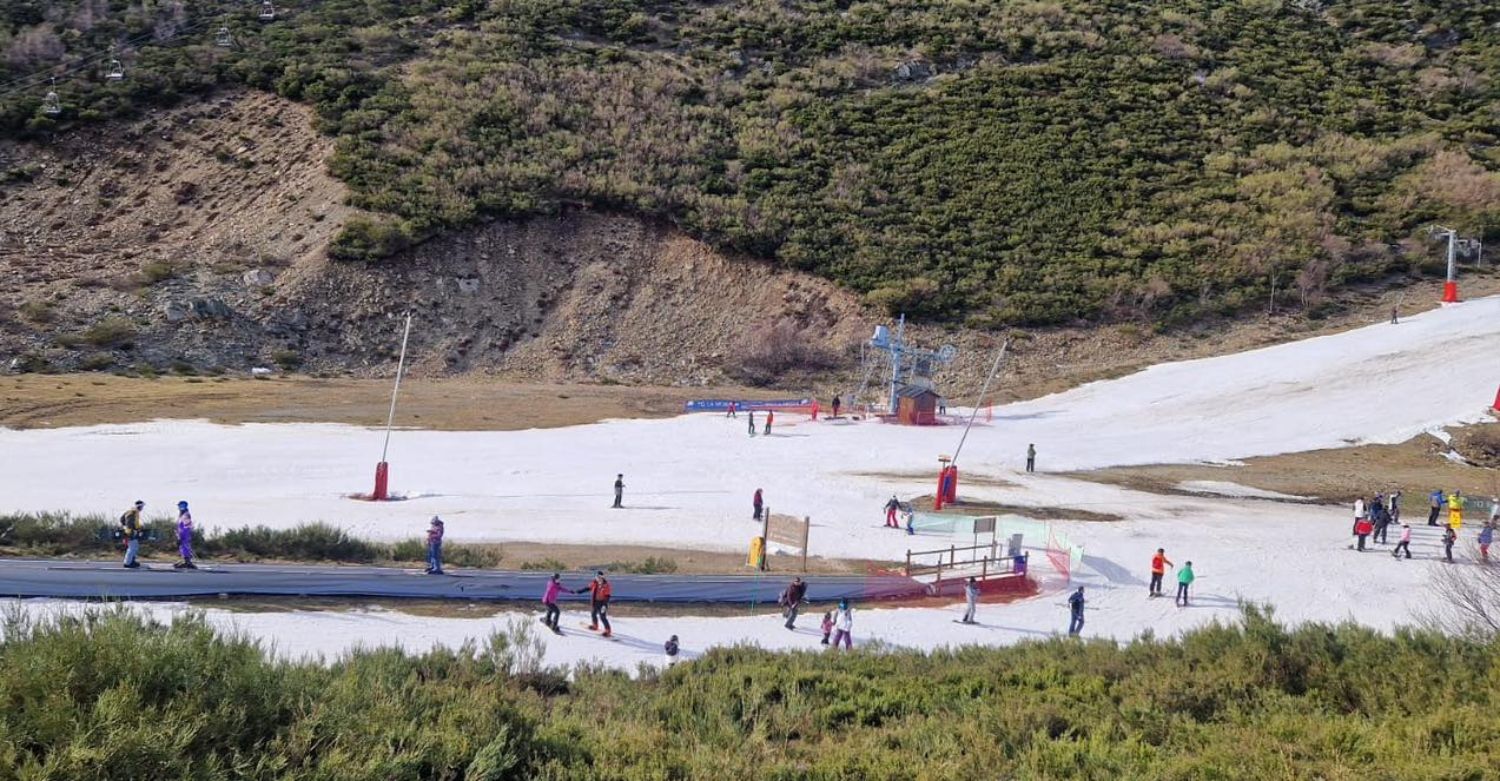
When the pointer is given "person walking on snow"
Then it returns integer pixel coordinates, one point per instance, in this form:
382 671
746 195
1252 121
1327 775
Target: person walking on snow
1449 537
1031 458
1362 529
791 601
619 492
1495 511
132 528
751 419
671 648
1159 564
731 414
435 546
827 625
890 512
1185 578
836 403
844 621
599 593
1486 536
971 601
1456 504
1435 502
1395 508
1075 612
549 600
770 417
1404 545
757 503
1381 519
184 537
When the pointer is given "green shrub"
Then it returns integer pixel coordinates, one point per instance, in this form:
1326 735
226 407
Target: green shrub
94 362
110 332
38 311
368 239
287 360
651 565
545 565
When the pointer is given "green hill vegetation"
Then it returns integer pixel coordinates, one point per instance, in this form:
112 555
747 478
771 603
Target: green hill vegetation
999 162
111 696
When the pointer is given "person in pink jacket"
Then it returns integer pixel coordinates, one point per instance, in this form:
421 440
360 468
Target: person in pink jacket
549 598
1404 544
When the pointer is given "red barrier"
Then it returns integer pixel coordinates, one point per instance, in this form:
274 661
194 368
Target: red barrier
937 498
1496 406
382 481
1450 292
952 497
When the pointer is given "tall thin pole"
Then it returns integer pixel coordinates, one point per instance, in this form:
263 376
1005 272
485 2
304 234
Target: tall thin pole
979 401
897 347
1452 264
400 365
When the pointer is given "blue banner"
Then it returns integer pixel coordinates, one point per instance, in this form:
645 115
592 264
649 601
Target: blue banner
722 405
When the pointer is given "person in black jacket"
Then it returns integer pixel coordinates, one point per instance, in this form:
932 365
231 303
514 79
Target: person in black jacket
791 601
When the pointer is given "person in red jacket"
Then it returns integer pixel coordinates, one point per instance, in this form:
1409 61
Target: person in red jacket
1362 529
757 504
599 593
1159 564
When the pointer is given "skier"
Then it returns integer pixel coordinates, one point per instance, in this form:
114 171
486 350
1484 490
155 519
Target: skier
619 492
1395 508
1486 536
770 417
1435 505
1359 511
1380 518
752 422
599 593
1362 529
845 621
435 546
1075 612
131 529
1404 546
184 537
827 625
1456 503
731 414
671 648
1495 511
1185 578
971 601
836 404
1449 537
549 600
791 601
890 512
1031 458
757 503
1159 564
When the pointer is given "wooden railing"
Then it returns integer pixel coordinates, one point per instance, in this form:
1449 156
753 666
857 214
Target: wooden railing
990 559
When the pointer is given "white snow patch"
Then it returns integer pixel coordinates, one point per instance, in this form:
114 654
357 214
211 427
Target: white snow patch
1224 488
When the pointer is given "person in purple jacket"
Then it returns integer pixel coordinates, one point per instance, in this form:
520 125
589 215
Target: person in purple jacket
549 598
184 537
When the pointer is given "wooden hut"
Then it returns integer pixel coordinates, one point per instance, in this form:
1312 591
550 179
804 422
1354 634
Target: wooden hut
916 406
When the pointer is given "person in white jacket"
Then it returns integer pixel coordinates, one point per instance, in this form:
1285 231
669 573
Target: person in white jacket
971 600
844 621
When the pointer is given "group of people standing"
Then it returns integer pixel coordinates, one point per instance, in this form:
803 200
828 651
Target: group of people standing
1374 517
133 530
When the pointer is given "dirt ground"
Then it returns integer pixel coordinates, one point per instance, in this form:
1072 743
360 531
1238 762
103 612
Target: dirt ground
470 403
1416 466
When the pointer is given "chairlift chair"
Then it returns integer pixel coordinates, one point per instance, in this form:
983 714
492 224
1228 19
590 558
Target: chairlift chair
223 39
51 104
114 71
267 11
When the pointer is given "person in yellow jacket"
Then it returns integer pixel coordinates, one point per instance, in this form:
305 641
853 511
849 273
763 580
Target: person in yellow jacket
1455 510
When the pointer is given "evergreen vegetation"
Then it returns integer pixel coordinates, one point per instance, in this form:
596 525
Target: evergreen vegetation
1018 161
112 696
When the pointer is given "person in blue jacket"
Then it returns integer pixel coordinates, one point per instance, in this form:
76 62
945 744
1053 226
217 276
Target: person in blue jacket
1075 612
1436 500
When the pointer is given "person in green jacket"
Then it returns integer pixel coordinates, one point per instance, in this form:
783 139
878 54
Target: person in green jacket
1184 579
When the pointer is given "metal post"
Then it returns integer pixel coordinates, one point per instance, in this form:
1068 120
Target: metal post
897 346
806 527
975 413
400 365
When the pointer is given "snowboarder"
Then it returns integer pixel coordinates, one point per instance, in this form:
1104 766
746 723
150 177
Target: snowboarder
1075 612
435 546
549 600
791 601
731 414
757 503
751 419
845 622
132 528
599 593
1456 504
184 537
836 404
1404 545
1159 564
619 492
827 625
671 648
770 417
1449 537
1031 458
1486 536
1362 529
971 601
890 512
1435 505
1185 578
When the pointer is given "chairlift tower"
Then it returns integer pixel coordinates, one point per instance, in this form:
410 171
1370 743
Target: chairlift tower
1450 286
909 365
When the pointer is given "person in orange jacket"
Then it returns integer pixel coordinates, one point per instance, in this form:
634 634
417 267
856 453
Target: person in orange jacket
1159 564
599 592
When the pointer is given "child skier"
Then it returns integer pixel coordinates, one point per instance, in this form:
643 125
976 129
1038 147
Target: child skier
184 537
1449 537
971 601
1159 564
1405 544
599 593
132 528
549 600
731 410
770 416
845 631
1486 536
827 625
1185 578
435 546
1362 529
890 512
671 648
